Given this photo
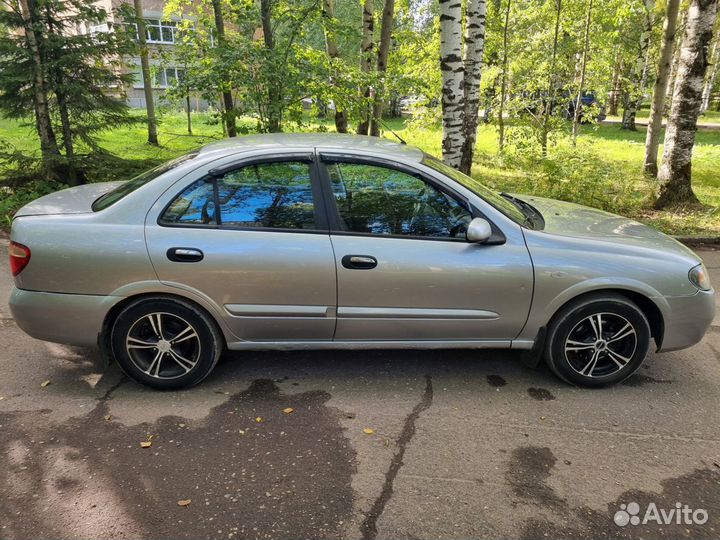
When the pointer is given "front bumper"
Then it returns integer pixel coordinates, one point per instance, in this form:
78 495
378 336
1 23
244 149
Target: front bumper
72 319
687 320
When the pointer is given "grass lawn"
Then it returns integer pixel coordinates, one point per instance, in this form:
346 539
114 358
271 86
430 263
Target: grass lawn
604 170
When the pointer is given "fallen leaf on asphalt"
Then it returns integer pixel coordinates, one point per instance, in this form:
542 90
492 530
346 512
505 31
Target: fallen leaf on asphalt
2 397
542 418
368 431
288 410
108 417
259 419
242 432
184 502
181 425
145 444
44 383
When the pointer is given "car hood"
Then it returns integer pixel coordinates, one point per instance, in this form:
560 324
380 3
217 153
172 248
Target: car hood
577 221
74 200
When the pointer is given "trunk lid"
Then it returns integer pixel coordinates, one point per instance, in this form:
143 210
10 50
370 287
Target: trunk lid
74 200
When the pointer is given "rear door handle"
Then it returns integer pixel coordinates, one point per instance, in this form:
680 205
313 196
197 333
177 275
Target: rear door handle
183 254
359 262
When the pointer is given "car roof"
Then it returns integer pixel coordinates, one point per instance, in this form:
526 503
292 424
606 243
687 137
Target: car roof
326 141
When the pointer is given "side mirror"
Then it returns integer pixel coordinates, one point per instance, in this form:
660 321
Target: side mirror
479 231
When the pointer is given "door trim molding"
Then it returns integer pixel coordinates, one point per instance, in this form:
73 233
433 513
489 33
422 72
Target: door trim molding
414 313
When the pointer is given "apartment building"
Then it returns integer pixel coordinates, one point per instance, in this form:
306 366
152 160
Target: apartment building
161 37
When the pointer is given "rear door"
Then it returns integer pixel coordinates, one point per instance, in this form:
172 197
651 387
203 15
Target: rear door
404 267
252 237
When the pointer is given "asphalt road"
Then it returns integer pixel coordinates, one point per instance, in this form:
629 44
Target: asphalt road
464 444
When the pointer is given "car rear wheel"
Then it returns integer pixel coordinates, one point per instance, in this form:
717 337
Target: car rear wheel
597 341
165 343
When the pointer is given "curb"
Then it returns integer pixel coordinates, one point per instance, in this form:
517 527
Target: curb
698 241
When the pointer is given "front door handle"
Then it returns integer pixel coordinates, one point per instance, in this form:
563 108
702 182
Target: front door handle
359 262
183 254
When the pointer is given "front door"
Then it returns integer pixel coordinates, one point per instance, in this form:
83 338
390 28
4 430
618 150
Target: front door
405 270
252 240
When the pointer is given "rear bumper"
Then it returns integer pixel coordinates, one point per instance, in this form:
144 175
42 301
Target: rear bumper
72 319
688 319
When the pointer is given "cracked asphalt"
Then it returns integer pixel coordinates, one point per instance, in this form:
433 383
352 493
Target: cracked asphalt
464 444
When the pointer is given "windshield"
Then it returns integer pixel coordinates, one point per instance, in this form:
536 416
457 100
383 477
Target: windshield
111 197
520 212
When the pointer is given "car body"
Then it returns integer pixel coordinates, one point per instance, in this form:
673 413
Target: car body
367 246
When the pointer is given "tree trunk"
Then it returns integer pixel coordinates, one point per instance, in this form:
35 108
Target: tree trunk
366 48
675 172
189 117
274 106
451 67
228 106
550 99
475 11
712 75
48 142
147 79
638 75
333 54
652 139
675 61
586 49
388 18
503 81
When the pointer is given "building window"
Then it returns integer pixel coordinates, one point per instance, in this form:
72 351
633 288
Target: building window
161 77
159 31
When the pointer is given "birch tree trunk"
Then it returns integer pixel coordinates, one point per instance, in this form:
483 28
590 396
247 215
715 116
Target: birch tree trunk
475 12
712 75
388 19
675 172
366 48
615 87
586 48
333 54
676 60
550 98
451 67
274 106
503 80
652 139
147 77
227 99
49 149
638 76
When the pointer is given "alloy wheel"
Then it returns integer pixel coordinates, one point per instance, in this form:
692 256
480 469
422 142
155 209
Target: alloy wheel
163 345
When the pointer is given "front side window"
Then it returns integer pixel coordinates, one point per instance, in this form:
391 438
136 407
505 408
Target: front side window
378 200
265 195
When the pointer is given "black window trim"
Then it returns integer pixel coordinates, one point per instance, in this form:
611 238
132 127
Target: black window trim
333 214
319 205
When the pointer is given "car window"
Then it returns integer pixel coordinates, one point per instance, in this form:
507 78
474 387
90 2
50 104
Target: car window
195 205
384 201
265 195
111 197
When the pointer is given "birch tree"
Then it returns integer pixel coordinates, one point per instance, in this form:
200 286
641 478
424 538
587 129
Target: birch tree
549 100
366 49
675 172
652 139
147 78
503 79
583 67
638 76
676 59
474 47
451 67
711 76
227 99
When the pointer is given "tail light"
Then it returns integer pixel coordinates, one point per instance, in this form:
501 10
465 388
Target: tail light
19 257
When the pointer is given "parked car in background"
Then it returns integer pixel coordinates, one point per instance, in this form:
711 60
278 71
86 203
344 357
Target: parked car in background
344 242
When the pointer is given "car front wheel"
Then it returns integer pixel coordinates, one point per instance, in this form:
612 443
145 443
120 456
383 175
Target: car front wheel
598 340
165 343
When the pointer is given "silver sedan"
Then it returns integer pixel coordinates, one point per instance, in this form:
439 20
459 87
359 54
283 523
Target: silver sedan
329 241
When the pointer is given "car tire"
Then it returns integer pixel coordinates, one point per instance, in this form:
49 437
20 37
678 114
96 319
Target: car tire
597 340
165 343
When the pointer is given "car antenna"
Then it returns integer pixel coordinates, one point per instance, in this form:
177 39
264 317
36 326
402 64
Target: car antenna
399 138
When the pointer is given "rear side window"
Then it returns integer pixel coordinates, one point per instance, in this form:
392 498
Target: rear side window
265 195
111 197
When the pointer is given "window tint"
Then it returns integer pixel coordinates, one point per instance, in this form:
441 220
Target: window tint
379 200
195 205
267 195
